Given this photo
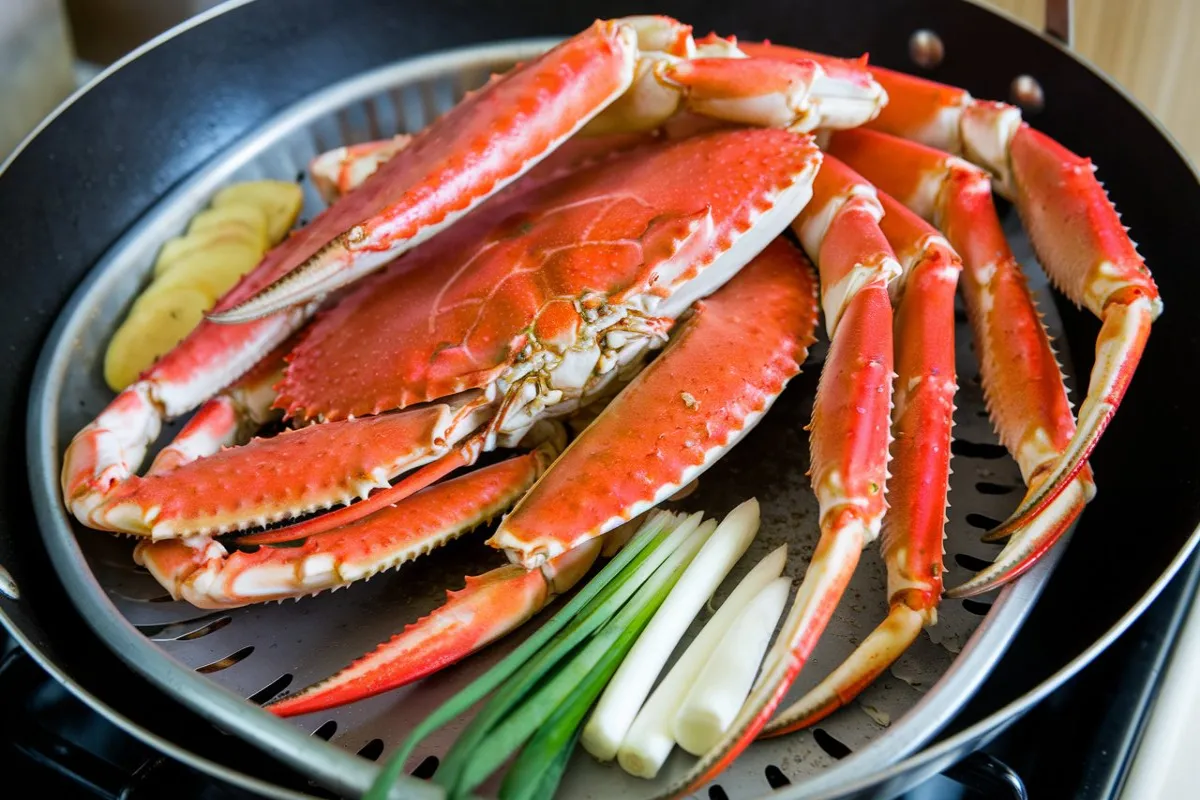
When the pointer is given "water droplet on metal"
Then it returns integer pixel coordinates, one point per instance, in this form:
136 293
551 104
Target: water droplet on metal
1027 93
926 48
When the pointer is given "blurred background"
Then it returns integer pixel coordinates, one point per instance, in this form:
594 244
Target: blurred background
47 47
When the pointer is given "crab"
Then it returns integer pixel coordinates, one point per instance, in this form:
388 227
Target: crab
521 260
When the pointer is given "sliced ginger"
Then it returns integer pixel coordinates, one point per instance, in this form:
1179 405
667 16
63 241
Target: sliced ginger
280 200
154 326
241 216
193 271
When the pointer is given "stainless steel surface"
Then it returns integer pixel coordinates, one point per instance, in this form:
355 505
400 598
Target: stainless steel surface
247 652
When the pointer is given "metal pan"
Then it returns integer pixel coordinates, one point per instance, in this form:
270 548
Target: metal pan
99 194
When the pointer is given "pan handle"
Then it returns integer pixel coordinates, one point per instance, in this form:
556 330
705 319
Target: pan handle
1059 18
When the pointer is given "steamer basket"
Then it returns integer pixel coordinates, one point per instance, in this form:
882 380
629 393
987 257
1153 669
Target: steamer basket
215 662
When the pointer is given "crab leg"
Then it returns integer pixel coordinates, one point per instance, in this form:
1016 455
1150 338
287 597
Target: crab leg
207 575
227 420
721 372
1073 226
109 450
296 472
1021 377
849 431
488 607
921 422
1075 231
849 435
635 70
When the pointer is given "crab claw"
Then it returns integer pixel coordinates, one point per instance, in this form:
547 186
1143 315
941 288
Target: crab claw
354 457
477 148
723 369
487 608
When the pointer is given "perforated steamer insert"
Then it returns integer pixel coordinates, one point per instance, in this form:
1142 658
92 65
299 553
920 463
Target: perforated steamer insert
215 662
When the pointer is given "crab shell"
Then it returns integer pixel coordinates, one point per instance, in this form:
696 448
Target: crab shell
541 302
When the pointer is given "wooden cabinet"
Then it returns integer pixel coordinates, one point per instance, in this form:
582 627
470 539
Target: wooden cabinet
1151 47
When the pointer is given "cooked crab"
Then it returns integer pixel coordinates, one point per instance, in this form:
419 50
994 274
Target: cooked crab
531 248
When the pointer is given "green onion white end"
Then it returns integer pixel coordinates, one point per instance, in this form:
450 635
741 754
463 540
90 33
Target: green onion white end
650 739
724 683
614 714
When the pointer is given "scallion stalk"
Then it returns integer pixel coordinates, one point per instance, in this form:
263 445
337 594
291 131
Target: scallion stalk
723 684
635 561
622 699
650 739
483 756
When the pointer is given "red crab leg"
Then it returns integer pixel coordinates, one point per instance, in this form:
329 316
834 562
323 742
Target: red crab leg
1087 253
109 450
208 576
1075 231
488 607
463 456
717 377
849 436
342 170
229 419
921 421
1021 379
294 473
1073 226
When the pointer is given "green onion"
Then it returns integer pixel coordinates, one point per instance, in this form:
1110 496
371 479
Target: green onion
477 757
635 561
650 739
721 688
623 697
537 771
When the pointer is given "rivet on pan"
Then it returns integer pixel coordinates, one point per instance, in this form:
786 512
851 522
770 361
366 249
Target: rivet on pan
1027 93
8 587
926 49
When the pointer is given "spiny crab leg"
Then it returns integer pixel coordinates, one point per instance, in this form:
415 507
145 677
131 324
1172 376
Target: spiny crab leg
207 575
849 436
1021 378
495 135
462 456
228 419
1073 226
850 429
922 418
488 607
296 472
108 451
720 373
1075 231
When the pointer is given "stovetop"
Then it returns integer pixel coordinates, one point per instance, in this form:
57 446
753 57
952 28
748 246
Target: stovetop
1078 743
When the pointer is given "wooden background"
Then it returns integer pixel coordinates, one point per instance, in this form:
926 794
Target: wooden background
1151 47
